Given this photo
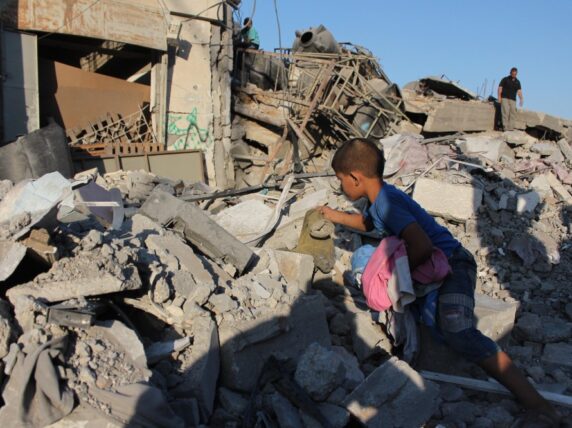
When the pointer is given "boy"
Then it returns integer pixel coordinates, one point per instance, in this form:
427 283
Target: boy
358 165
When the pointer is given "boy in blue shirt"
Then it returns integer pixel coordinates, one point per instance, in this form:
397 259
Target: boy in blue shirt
359 164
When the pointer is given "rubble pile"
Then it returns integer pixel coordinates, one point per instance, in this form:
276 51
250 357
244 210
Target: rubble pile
129 298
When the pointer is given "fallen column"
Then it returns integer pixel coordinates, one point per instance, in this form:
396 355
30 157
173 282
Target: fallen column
199 229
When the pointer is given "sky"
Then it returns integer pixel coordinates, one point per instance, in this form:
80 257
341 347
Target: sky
472 42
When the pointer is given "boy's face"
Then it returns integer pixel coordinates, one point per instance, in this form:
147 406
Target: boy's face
352 185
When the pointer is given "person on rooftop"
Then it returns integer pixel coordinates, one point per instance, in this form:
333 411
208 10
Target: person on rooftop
249 35
509 88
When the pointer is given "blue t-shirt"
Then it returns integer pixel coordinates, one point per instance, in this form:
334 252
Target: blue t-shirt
393 210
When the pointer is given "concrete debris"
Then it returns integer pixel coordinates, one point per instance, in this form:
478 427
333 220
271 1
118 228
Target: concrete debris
385 398
199 229
450 201
231 302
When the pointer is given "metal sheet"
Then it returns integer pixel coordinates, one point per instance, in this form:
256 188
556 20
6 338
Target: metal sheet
185 165
20 97
137 22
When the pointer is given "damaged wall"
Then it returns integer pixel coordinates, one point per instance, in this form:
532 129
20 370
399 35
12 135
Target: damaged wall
137 22
199 88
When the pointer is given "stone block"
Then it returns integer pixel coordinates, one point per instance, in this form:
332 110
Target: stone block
285 332
495 317
387 397
456 116
527 202
296 268
455 202
199 229
565 148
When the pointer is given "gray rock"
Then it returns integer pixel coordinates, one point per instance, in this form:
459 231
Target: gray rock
557 355
529 327
222 303
555 330
320 371
483 422
536 373
451 393
568 310
354 375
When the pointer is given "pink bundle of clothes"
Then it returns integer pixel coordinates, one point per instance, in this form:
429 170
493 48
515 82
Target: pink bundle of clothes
387 281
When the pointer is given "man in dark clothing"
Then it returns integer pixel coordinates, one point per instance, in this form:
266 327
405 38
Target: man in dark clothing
509 88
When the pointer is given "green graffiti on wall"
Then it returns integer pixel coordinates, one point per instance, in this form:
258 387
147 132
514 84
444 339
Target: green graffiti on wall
191 135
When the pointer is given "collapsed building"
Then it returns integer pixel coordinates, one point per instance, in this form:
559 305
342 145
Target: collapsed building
165 267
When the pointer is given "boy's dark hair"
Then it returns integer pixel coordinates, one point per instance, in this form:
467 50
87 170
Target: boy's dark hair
246 21
359 154
514 69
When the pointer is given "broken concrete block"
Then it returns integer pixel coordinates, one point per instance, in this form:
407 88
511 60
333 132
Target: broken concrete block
387 397
297 269
557 355
543 148
245 220
527 202
455 202
141 226
518 138
456 115
529 328
284 332
353 375
199 229
201 370
559 188
367 337
11 255
495 317
565 148
189 261
320 370
490 148
81 276
541 185
555 329
123 337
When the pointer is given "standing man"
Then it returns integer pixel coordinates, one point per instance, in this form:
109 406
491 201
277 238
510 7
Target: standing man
249 35
509 88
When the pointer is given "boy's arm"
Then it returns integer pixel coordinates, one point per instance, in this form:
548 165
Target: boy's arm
355 221
419 246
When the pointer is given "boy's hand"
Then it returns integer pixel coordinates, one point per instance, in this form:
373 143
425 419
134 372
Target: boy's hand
328 213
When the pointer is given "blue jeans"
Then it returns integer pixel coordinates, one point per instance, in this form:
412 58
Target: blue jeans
455 313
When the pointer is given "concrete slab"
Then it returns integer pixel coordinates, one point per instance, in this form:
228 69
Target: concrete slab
456 116
455 202
367 337
558 188
388 395
11 254
490 148
245 220
90 282
285 332
199 229
495 317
